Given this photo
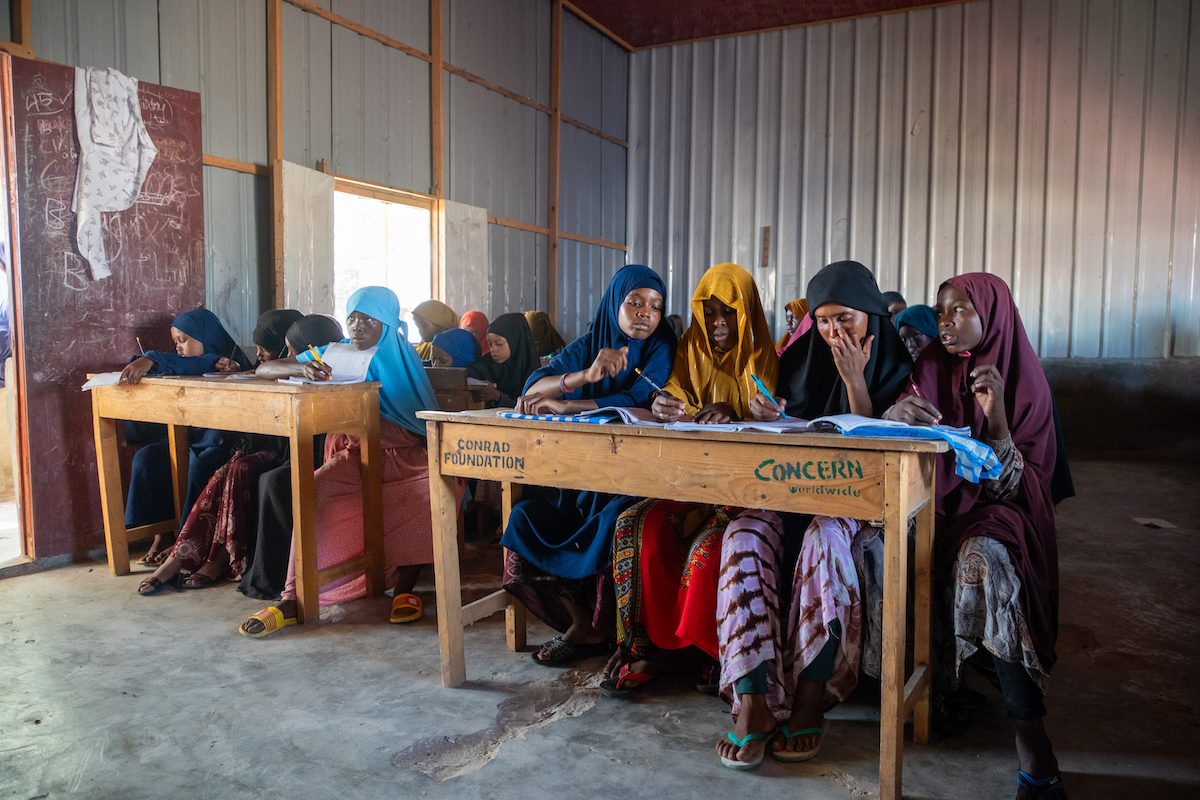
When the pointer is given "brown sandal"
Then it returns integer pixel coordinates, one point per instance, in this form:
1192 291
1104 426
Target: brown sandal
199 581
153 585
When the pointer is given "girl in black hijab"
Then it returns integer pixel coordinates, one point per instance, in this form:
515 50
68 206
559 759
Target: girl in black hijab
270 331
510 361
781 669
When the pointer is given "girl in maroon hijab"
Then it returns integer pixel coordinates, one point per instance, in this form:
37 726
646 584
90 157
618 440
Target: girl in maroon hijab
983 373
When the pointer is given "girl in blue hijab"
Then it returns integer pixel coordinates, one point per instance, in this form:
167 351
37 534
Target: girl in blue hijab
917 326
454 348
568 534
201 345
373 321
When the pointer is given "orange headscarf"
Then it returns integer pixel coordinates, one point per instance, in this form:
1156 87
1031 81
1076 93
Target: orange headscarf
704 376
477 323
799 309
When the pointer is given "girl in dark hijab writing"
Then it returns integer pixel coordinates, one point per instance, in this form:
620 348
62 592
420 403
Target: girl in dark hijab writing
797 653
510 360
996 538
270 334
568 534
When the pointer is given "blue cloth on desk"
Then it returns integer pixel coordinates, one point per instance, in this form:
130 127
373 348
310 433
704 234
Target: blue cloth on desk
973 459
566 532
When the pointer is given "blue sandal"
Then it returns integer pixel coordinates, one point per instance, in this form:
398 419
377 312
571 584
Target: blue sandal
733 763
1031 788
794 756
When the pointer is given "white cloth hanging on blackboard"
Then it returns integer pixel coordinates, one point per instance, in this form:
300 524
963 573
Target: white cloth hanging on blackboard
115 154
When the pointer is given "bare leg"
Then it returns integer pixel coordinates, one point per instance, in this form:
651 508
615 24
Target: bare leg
168 569
806 713
581 631
406 578
755 717
1034 751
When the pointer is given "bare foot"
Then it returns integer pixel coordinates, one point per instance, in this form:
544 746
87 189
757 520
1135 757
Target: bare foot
806 713
168 569
755 717
286 607
617 660
160 548
578 634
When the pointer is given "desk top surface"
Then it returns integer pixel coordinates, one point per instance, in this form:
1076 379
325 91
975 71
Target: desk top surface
489 417
247 385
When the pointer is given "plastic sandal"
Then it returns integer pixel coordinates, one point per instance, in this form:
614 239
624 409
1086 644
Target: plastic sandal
733 763
198 581
406 608
1032 788
563 653
271 618
795 756
152 586
626 683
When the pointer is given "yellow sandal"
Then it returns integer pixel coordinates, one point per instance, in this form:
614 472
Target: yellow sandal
406 608
271 618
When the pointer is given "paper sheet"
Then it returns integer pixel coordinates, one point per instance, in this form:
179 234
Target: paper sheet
103 379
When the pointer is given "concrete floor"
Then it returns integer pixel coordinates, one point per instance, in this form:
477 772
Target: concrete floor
107 694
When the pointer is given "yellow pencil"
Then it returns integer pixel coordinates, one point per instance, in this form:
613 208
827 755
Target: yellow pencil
687 407
317 357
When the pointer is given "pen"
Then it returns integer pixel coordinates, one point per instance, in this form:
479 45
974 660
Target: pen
317 357
763 389
687 406
916 390
139 341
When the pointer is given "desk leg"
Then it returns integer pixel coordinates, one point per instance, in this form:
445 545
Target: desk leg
177 439
304 521
371 466
514 613
922 606
895 601
108 466
444 514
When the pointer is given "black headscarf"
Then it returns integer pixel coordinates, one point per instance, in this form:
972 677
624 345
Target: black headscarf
808 377
271 329
315 330
510 376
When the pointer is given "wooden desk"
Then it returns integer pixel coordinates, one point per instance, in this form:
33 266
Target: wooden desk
882 480
297 411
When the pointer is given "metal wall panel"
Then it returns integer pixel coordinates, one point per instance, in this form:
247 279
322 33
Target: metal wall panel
6 20
406 21
518 274
507 43
380 112
307 87
584 271
498 156
1055 144
122 34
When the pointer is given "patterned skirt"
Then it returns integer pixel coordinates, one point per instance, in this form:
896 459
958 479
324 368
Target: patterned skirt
665 566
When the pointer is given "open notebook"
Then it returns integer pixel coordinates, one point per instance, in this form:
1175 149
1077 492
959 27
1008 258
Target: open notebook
349 365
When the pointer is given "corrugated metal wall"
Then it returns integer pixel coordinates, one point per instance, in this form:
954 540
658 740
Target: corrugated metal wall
364 107
592 171
1053 143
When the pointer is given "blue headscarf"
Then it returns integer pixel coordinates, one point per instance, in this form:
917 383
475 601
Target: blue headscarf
652 355
920 317
203 326
405 389
459 344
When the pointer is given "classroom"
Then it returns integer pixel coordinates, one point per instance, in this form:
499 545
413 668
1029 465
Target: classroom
600 321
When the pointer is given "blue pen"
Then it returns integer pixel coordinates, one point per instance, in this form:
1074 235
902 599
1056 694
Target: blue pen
763 389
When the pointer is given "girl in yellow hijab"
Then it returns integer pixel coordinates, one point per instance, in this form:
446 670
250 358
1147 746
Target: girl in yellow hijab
794 314
727 342
431 318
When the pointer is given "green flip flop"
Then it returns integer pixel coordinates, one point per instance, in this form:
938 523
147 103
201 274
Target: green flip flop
733 763
791 756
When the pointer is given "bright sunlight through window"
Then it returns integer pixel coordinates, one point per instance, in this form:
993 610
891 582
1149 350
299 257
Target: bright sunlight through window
376 243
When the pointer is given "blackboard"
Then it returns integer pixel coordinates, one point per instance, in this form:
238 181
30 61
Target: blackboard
71 325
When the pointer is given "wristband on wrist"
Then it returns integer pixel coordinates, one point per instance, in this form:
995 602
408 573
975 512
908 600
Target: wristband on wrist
562 384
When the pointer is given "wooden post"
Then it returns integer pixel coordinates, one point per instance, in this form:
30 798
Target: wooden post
275 141
923 600
304 514
895 601
555 135
22 24
177 441
444 509
437 137
371 471
514 614
108 465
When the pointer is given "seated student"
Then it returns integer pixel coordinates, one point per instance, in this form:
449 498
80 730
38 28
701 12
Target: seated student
560 541
917 326
270 334
431 318
795 314
664 551
788 605
998 535
201 345
546 337
895 303
453 348
678 326
408 534
510 360
477 323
